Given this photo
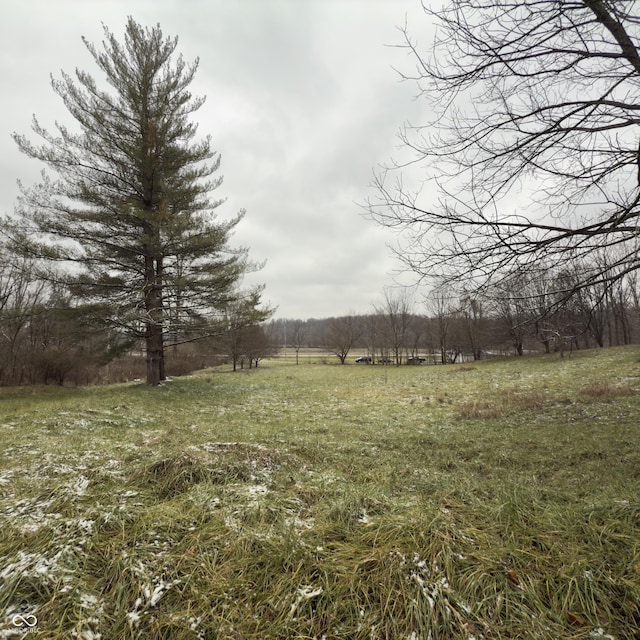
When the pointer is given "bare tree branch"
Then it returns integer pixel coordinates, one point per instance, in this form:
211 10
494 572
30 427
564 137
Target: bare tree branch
530 151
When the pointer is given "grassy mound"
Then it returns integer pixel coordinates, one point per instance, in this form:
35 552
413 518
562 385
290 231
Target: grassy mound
498 500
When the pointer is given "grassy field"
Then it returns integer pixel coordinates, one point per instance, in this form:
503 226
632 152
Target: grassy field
484 501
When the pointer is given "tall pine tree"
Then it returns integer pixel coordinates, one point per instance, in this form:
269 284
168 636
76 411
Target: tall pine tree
131 205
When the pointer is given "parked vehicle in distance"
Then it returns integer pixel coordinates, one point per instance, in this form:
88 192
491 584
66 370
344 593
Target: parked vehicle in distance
416 360
363 360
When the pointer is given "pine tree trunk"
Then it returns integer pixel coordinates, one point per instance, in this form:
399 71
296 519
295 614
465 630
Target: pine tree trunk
154 332
155 355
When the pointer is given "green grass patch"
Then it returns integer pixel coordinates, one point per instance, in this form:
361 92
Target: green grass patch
498 500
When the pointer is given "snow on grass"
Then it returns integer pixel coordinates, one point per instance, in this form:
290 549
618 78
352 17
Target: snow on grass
304 593
152 592
335 502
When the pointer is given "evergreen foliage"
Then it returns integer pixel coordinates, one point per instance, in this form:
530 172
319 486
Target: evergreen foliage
129 217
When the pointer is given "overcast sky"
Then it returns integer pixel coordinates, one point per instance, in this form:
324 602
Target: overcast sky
302 103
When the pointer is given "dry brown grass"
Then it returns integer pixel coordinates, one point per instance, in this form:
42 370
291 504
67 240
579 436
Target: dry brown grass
604 391
503 403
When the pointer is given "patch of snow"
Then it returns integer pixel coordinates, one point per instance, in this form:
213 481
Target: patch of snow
88 601
304 593
256 491
80 486
133 617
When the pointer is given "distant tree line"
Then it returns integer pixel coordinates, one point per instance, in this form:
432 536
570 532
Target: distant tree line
47 337
523 315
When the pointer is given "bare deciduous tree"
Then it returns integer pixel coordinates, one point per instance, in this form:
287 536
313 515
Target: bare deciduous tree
297 336
396 313
242 334
21 294
441 310
343 333
531 154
